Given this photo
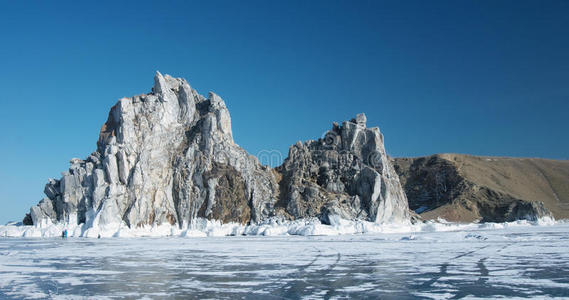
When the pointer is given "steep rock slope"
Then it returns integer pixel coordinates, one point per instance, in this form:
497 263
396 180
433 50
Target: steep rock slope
346 173
469 188
167 156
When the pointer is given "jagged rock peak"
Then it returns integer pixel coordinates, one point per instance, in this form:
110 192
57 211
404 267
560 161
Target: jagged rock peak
361 119
163 157
345 173
169 157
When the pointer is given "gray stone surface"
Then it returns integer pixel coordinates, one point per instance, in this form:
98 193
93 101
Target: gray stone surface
524 210
156 162
346 173
169 157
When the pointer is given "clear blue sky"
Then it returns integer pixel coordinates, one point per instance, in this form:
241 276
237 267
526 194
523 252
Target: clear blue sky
478 77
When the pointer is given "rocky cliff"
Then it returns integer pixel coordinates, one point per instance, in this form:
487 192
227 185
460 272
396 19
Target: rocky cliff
169 157
346 173
471 188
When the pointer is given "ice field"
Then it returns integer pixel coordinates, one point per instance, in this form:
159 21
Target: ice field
435 261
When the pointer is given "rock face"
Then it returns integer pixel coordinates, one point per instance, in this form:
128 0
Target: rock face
489 189
163 157
169 157
345 173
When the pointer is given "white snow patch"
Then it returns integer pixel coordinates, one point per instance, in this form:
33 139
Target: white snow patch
271 227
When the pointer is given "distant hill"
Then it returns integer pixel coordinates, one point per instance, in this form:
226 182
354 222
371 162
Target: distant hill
467 188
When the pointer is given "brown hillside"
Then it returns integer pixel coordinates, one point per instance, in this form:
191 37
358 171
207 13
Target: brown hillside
467 188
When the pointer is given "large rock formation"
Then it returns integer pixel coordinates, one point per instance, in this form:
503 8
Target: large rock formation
345 173
163 157
472 188
169 157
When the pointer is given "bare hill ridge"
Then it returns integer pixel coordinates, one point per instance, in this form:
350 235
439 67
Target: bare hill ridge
467 188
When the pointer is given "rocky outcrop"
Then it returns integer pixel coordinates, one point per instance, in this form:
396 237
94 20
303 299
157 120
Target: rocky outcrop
169 157
489 189
163 157
345 173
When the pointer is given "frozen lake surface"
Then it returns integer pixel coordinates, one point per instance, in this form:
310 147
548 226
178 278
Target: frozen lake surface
480 262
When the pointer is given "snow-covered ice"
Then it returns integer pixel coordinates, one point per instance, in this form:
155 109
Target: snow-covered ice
270 227
429 261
